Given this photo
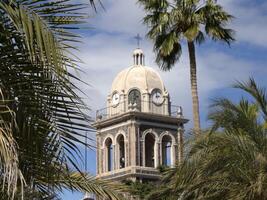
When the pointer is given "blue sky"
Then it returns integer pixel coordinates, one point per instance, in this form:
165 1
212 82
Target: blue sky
107 49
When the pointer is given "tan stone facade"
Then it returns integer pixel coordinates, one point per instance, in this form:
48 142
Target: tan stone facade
139 130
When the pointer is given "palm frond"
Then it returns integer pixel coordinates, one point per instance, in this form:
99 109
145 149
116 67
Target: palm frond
87 183
215 19
36 43
229 163
9 160
256 92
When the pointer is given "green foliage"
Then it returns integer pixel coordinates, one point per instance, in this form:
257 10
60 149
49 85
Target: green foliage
227 164
170 22
163 168
140 189
42 116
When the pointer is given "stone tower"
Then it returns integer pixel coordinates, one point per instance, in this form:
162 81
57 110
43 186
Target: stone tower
139 129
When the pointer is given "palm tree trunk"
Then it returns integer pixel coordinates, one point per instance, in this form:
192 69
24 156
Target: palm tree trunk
193 78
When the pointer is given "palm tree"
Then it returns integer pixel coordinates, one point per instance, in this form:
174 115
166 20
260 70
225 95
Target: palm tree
42 116
230 163
171 22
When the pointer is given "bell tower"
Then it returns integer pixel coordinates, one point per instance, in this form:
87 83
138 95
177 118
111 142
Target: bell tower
140 129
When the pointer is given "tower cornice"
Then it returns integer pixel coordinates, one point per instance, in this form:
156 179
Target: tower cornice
139 115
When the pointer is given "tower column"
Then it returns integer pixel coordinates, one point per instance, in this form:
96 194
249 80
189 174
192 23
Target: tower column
116 156
125 153
143 153
138 155
156 152
114 163
166 105
122 103
160 153
146 102
132 144
104 159
101 161
173 154
180 135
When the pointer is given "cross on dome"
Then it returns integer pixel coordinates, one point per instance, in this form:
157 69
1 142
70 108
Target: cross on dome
138 39
138 55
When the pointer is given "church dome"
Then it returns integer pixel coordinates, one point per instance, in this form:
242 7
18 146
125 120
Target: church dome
137 76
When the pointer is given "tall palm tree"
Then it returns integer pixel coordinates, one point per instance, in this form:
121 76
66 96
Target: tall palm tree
171 22
42 116
230 164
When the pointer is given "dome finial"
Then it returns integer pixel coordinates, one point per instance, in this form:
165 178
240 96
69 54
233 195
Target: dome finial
138 55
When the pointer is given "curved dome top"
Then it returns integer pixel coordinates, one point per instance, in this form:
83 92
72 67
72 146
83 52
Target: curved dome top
141 77
138 51
138 76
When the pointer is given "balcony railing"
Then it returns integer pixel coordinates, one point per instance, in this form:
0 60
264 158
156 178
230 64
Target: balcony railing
147 107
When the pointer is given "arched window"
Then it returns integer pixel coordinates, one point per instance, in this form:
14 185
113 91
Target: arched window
121 151
109 154
150 150
166 150
134 98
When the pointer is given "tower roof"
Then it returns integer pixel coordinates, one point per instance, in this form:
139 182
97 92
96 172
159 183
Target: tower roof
137 76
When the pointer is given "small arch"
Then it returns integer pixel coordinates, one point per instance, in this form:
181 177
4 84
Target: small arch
167 149
108 136
120 132
149 131
167 133
150 148
109 154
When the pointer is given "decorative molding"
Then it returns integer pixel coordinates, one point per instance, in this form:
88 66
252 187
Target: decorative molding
120 132
164 133
149 131
106 137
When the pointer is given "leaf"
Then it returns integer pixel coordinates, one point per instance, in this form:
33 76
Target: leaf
191 33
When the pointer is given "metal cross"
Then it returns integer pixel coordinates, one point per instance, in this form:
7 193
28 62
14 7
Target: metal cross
138 39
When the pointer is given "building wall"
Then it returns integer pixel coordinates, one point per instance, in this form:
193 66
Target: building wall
134 133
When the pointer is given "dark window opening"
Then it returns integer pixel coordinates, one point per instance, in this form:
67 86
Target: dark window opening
149 150
134 98
121 144
109 149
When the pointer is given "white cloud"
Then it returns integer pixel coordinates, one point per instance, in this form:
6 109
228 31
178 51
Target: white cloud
109 50
250 20
121 16
125 17
216 70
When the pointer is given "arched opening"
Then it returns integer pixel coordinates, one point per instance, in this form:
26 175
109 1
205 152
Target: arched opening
134 99
109 154
121 151
150 150
166 150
